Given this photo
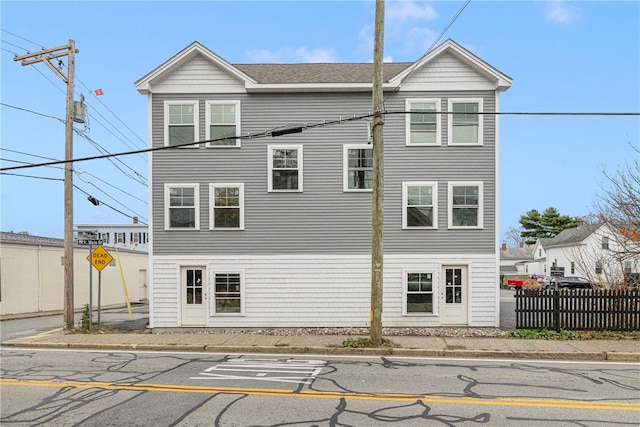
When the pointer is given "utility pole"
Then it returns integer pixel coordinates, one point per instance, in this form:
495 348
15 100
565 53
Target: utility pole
377 213
46 56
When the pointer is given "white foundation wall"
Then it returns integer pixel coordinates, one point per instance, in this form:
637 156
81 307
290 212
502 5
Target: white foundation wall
321 291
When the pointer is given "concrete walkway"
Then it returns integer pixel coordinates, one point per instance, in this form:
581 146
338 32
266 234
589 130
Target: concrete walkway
247 342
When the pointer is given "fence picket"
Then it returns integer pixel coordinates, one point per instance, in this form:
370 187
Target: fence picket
588 309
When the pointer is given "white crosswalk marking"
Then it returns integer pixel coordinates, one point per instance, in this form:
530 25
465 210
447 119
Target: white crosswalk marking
294 370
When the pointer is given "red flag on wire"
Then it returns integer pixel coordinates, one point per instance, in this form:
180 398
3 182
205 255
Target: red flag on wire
98 92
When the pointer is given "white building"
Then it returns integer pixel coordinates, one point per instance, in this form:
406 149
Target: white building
133 236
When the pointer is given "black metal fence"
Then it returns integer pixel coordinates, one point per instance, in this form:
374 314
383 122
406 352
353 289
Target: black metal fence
578 309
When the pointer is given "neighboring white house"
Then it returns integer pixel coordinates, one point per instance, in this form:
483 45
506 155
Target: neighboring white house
590 251
32 275
134 236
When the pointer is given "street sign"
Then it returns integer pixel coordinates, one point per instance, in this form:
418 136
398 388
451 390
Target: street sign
100 258
87 242
557 271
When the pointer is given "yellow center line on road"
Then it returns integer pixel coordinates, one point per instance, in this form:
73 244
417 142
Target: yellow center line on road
499 401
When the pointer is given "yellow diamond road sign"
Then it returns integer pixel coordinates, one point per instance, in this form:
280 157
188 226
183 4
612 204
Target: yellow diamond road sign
100 258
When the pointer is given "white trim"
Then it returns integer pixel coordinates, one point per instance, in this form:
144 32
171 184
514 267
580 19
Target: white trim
196 202
405 200
207 130
150 241
270 149
212 288
450 103
496 203
345 167
501 81
434 292
196 119
146 83
480 186
438 106
212 187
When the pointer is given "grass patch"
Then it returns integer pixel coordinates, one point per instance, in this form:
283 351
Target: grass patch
564 335
363 343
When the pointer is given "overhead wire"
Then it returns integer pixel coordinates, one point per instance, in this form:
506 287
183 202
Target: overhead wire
276 131
82 191
76 171
137 177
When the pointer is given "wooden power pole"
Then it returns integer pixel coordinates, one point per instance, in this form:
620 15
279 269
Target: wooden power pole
377 217
46 56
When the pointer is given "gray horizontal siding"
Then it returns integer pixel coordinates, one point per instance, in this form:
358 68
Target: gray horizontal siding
323 218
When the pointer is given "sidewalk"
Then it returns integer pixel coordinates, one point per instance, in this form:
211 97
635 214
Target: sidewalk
418 346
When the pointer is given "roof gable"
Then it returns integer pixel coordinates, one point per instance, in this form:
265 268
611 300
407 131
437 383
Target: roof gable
182 58
449 47
316 77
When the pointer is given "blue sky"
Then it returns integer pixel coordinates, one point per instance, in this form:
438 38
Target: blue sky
563 57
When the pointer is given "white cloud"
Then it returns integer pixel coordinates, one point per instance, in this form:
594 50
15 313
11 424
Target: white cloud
399 12
407 25
559 12
292 55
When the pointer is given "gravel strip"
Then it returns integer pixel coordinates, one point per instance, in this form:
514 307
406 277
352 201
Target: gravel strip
425 332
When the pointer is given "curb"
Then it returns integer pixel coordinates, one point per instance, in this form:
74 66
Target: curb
384 351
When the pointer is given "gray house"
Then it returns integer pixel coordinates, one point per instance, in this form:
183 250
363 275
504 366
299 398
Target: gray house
266 222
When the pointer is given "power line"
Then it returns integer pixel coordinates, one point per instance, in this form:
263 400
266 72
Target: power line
22 38
77 171
142 180
79 189
103 203
283 130
31 111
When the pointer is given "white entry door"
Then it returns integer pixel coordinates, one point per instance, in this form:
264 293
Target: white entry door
194 296
454 295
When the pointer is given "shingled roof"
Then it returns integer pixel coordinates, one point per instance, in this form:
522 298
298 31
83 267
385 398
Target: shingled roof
572 236
319 73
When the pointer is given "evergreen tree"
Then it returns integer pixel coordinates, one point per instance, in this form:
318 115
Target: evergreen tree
548 224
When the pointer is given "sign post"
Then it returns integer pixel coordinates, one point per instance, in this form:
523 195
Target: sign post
89 238
100 258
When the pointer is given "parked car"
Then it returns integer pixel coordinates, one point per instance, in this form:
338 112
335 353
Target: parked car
568 282
548 282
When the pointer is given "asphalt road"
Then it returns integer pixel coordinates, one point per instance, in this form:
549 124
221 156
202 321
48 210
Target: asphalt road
88 388
115 318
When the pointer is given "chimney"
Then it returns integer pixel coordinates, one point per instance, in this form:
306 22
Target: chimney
522 244
504 246
135 219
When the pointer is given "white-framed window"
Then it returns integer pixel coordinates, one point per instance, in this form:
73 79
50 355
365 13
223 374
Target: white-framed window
121 238
222 121
599 264
228 293
419 205
464 124
418 293
104 237
423 123
285 168
465 205
227 207
357 167
627 267
182 206
135 238
181 123
605 242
